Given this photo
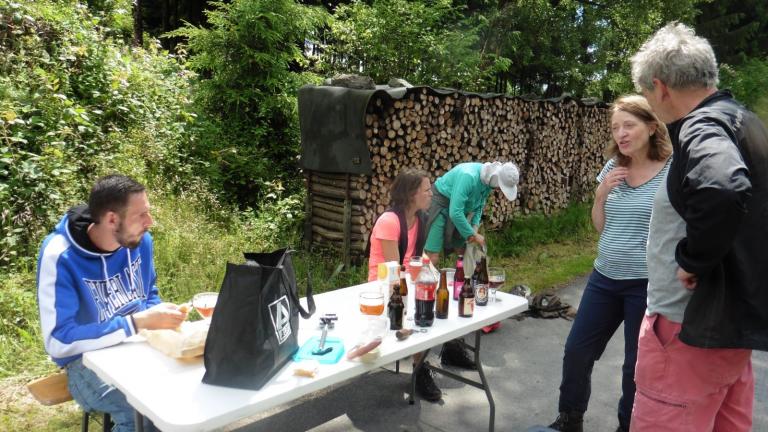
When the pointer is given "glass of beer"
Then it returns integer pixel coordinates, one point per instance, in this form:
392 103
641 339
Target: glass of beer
371 303
204 303
496 279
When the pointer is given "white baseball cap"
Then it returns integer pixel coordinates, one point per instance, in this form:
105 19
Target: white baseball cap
501 175
509 177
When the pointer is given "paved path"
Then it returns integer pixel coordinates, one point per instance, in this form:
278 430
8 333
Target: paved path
522 360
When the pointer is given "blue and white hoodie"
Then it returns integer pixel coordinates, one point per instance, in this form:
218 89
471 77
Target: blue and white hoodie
85 296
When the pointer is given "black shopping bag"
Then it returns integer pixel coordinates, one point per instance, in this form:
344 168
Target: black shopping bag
255 325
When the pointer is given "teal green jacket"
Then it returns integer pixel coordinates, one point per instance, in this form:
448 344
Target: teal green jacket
467 194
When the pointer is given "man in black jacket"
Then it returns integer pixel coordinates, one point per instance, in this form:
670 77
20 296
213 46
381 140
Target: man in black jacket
707 246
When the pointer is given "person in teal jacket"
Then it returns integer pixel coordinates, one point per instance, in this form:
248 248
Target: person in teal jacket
458 199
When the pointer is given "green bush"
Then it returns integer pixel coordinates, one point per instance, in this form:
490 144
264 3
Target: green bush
74 104
250 60
427 43
195 236
749 83
19 326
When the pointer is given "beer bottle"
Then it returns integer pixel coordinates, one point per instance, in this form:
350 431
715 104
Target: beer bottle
403 288
403 284
458 277
481 283
442 296
396 308
466 300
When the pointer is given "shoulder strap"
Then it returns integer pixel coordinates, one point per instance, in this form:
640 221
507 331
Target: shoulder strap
402 242
421 234
294 298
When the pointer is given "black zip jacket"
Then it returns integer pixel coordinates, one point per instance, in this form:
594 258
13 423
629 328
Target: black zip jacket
718 183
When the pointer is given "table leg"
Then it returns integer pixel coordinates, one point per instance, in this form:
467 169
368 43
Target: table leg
139 420
487 389
416 368
483 384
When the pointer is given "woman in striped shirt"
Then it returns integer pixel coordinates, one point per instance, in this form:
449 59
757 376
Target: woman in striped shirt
639 156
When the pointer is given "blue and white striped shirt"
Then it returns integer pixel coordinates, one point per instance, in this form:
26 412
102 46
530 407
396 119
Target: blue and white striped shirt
621 249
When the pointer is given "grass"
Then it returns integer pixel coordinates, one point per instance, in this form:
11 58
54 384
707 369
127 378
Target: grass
193 242
551 265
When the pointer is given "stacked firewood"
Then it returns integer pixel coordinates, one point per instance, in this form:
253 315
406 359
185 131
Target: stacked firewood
556 144
327 196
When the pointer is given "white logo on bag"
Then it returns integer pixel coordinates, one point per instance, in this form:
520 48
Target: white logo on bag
280 312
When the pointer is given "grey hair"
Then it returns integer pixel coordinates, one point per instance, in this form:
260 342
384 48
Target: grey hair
676 56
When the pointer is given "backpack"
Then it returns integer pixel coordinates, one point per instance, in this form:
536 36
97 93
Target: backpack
548 305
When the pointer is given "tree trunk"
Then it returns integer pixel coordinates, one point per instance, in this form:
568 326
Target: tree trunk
138 25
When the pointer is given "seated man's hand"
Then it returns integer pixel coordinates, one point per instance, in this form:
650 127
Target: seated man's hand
161 316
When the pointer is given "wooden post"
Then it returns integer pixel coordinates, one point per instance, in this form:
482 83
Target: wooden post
347 224
308 213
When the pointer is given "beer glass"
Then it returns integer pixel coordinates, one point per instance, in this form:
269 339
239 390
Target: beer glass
371 303
496 279
204 303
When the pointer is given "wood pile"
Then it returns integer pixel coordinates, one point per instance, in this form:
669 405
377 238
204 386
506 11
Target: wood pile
556 144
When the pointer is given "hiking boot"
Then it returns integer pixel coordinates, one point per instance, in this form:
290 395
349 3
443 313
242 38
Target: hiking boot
454 354
425 384
569 422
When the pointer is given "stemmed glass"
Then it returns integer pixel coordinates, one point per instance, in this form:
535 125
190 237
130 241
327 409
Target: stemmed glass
496 279
204 303
414 267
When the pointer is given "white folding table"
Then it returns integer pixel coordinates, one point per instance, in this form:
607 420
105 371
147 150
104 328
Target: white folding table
171 394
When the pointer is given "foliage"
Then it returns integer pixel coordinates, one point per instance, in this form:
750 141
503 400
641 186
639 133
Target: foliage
737 29
195 236
573 46
19 326
249 60
424 42
115 17
75 104
749 83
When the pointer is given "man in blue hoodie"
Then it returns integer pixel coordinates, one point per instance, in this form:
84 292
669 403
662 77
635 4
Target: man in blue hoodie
96 287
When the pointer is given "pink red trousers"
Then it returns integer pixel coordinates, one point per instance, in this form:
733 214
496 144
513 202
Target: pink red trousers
683 388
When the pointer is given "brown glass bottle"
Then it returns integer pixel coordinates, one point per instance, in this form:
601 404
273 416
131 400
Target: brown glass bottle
403 288
482 282
442 296
396 309
403 285
466 300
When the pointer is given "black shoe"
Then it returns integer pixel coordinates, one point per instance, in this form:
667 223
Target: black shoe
425 384
454 354
569 422
621 429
